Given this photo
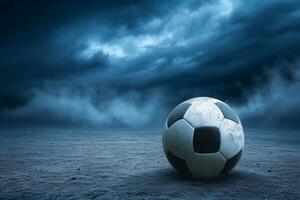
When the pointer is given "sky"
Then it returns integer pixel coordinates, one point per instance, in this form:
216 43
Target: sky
128 63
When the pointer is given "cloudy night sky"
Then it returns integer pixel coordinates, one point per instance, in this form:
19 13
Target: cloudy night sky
128 63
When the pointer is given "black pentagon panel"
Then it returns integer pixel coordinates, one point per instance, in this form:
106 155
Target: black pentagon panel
206 139
177 113
230 163
227 112
179 164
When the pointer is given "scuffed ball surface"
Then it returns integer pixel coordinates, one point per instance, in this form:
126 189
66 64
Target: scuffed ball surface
203 138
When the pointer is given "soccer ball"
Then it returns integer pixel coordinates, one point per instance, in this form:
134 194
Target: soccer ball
203 138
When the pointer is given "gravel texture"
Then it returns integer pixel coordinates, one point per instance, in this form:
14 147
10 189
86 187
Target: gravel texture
97 164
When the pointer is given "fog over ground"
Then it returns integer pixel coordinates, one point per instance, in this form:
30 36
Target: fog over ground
128 63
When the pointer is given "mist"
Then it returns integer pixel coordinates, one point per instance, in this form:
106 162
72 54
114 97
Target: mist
65 106
276 103
127 64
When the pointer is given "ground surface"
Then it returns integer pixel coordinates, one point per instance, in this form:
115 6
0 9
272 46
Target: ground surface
91 164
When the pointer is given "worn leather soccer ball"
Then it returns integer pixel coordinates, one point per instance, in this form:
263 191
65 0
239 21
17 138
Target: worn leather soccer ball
203 138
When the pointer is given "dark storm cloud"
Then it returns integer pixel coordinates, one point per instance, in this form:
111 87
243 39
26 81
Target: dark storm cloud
42 41
88 62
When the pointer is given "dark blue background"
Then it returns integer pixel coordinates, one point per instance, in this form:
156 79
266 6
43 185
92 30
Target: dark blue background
127 63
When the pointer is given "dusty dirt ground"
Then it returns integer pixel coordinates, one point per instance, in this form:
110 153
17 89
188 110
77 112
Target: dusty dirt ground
93 164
